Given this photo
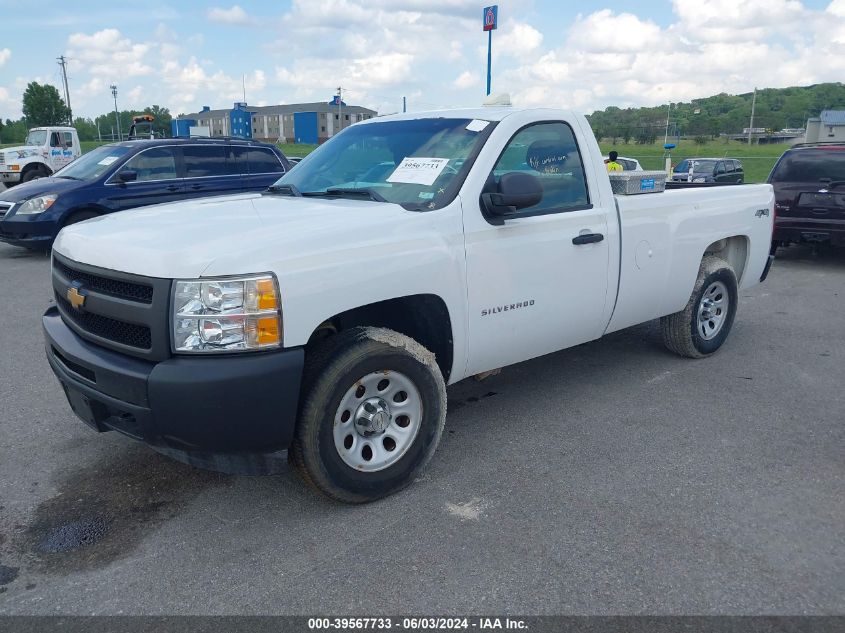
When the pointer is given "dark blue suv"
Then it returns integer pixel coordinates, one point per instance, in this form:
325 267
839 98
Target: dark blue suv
133 174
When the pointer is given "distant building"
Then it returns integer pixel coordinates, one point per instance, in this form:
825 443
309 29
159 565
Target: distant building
293 123
829 126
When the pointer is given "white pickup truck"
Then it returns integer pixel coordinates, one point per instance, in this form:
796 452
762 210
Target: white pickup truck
326 316
45 150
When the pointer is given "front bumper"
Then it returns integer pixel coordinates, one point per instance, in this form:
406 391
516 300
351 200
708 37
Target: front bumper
221 412
10 176
31 232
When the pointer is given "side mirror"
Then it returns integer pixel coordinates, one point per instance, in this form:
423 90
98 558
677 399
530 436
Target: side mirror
516 190
128 175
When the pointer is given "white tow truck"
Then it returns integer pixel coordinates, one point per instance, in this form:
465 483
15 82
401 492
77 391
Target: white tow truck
325 317
45 150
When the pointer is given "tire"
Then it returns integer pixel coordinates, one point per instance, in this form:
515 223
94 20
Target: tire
702 327
35 173
80 216
350 386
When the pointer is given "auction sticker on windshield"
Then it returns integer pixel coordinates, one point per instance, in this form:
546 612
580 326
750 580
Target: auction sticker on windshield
108 160
418 171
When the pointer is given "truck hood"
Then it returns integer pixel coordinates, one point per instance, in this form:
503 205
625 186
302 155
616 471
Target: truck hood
19 153
40 187
240 234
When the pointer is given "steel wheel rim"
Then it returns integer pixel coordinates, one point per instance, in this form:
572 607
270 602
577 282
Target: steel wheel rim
377 421
713 310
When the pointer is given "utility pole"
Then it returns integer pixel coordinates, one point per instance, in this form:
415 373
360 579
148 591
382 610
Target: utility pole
668 112
116 115
751 125
404 104
339 106
63 63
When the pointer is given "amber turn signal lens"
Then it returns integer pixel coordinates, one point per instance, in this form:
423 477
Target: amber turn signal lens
268 331
266 295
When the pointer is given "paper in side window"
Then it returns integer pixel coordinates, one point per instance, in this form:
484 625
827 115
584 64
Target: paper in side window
418 171
108 160
476 125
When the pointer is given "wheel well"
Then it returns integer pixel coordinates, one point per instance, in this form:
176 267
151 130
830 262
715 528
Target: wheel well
35 167
70 215
425 318
733 250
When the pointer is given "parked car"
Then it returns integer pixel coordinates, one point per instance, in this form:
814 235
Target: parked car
709 170
132 174
327 314
809 184
628 164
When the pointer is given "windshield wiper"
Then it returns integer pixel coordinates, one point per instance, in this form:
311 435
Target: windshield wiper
363 192
285 189
68 177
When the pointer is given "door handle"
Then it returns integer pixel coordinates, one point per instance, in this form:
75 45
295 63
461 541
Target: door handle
587 238
196 186
173 187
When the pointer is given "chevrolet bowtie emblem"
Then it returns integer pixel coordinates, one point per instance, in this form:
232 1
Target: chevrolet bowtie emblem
76 298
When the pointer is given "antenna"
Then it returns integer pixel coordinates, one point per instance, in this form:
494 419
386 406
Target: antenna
243 83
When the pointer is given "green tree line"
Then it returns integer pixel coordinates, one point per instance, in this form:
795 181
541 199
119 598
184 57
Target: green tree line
776 109
42 105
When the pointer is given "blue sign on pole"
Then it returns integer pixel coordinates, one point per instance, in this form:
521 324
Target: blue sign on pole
490 24
491 18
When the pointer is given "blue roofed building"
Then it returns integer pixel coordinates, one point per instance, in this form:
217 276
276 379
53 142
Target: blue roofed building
290 123
829 126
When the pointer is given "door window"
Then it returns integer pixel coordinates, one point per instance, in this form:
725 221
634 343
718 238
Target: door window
720 169
68 139
262 160
158 163
202 161
549 152
54 140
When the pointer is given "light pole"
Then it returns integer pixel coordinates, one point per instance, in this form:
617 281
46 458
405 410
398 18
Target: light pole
116 115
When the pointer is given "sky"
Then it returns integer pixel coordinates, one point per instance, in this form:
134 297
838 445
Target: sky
584 55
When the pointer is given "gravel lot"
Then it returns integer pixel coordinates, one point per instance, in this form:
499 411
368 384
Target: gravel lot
613 478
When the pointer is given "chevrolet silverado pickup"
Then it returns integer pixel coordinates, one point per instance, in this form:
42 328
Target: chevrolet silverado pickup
324 317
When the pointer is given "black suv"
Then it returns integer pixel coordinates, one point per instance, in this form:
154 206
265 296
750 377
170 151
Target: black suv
809 184
134 174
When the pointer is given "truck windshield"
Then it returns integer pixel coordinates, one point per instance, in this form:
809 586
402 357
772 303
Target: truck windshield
36 138
94 164
418 163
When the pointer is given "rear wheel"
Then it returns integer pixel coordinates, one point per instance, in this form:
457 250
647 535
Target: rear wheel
373 412
703 325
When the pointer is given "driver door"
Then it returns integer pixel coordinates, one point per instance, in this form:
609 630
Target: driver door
531 289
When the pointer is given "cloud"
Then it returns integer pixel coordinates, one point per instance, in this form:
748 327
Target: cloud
233 15
5 54
466 80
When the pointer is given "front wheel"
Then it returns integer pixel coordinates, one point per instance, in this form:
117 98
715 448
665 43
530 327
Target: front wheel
33 174
373 414
703 325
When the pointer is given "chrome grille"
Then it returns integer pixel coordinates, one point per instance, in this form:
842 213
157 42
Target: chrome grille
4 207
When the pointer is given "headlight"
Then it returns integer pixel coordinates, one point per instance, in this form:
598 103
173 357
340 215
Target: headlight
226 315
698 180
34 206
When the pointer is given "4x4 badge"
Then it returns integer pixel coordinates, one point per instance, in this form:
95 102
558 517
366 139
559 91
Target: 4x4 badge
76 298
761 212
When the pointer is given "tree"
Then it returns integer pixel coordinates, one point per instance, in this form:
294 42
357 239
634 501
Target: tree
42 105
162 119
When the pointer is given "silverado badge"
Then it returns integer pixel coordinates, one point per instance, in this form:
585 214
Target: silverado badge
76 298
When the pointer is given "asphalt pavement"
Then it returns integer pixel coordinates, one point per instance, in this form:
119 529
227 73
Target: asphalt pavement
612 478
